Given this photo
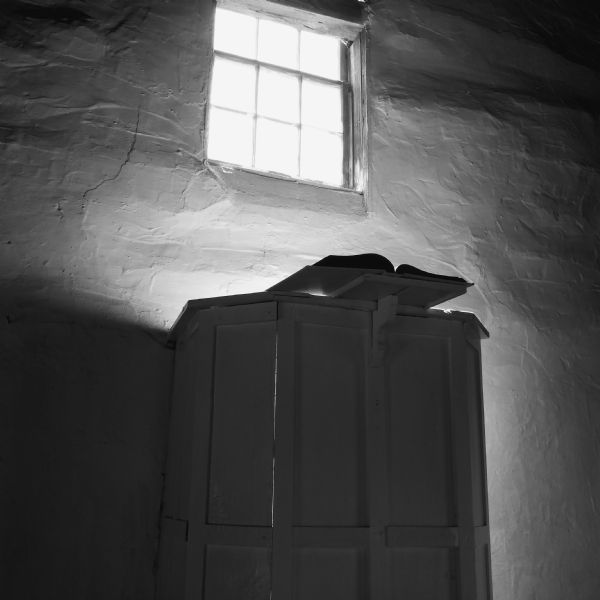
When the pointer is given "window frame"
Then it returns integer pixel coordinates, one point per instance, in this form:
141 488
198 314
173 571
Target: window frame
352 35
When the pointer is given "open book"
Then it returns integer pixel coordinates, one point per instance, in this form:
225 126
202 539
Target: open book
371 277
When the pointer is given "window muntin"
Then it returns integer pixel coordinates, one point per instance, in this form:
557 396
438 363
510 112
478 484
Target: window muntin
298 99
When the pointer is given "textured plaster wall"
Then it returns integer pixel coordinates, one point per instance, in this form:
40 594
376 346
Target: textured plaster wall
484 162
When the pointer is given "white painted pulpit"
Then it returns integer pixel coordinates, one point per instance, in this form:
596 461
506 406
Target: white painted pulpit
327 444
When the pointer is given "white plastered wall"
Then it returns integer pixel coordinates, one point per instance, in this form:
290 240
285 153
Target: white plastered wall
483 163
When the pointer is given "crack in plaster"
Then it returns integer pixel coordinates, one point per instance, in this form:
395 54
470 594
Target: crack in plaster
121 166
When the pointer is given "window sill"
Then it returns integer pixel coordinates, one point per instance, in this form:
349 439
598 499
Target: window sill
279 190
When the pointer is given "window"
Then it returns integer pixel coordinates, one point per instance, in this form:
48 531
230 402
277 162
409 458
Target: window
284 99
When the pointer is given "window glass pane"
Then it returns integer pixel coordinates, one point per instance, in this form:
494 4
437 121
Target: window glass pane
320 54
276 147
278 44
230 137
322 105
321 157
278 95
233 85
235 33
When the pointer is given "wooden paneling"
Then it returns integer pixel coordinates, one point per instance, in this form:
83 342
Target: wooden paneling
477 448
172 557
241 463
418 428
191 360
329 438
329 574
320 464
330 537
284 446
234 535
484 575
234 573
422 537
220 456
423 574
325 453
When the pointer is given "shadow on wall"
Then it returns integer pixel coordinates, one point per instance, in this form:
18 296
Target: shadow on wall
83 423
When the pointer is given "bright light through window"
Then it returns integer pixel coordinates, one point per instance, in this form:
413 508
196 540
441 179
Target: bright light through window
320 54
279 99
235 33
277 44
